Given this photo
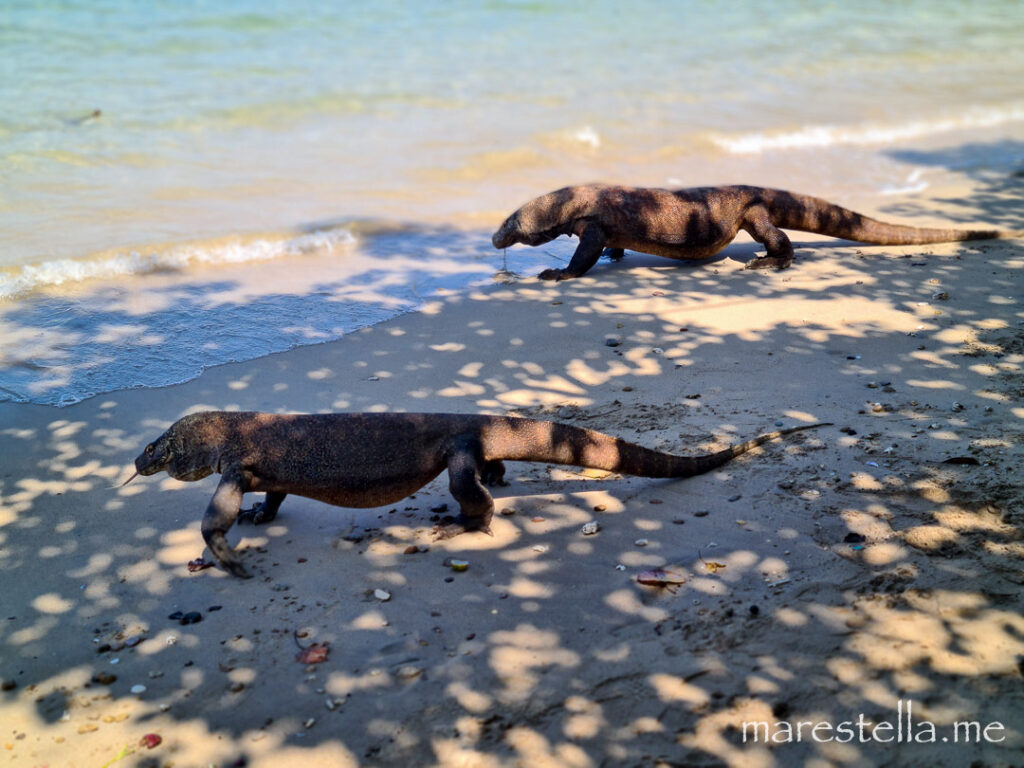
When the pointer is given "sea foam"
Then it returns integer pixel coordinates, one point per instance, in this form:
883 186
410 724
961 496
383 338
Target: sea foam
818 136
18 281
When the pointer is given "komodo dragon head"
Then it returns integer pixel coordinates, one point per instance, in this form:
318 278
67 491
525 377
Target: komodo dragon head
544 218
188 450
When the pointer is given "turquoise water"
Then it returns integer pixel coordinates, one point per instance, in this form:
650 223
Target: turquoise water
240 132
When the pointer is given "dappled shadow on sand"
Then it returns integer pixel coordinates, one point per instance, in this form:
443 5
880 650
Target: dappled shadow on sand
826 577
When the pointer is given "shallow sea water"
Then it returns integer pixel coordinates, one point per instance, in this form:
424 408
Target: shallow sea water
357 157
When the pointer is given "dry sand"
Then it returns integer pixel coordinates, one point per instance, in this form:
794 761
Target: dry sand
546 651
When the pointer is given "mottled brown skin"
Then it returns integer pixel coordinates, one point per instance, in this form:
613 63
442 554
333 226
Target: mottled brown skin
697 223
369 460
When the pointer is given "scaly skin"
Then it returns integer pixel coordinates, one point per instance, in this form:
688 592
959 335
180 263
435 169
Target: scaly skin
697 223
369 460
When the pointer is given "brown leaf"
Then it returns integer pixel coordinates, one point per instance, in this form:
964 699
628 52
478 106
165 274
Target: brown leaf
314 654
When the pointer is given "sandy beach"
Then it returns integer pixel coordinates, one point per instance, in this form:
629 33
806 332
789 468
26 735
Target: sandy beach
833 576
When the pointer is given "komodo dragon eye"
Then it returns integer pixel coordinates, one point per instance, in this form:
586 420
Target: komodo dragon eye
149 449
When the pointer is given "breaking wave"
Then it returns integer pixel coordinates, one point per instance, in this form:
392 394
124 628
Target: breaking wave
818 136
21 280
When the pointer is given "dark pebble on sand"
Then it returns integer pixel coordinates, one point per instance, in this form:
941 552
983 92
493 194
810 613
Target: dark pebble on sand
854 538
754 610
439 508
104 678
848 431
213 608
737 497
192 617
701 513
8 685
176 616
449 579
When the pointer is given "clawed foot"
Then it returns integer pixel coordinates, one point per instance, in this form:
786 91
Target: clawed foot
555 274
770 262
256 514
450 527
235 568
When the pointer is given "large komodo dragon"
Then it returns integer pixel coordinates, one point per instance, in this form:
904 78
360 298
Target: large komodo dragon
368 460
697 223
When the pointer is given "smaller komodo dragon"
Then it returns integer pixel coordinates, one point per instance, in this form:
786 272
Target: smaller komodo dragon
695 224
369 460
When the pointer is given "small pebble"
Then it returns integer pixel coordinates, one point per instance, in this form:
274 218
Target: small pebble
737 497
409 672
612 341
8 685
701 513
508 511
458 565
589 529
192 617
137 689
540 547
640 543
382 594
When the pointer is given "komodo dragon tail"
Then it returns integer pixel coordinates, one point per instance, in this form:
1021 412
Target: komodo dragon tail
789 210
528 440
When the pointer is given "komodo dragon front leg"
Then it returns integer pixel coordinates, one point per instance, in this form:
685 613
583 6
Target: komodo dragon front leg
589 250
221 513
265 511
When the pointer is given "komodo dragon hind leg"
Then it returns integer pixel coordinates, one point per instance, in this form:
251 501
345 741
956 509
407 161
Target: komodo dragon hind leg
265 511
476 506
220 515
758 224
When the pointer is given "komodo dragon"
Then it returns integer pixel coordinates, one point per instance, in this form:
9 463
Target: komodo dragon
697 223
368 460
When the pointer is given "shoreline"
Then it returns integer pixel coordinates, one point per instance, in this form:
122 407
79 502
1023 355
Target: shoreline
492 668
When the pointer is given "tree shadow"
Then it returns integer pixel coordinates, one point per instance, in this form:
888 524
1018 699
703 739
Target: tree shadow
851 568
